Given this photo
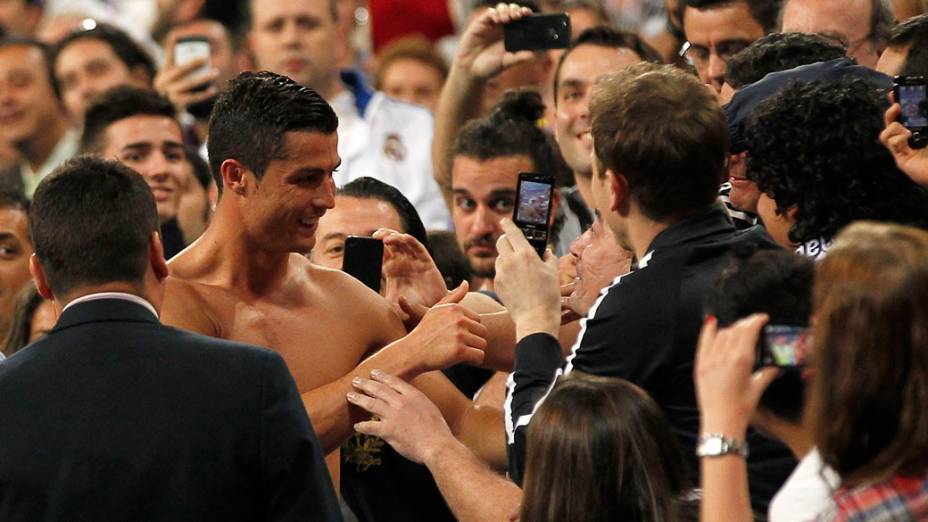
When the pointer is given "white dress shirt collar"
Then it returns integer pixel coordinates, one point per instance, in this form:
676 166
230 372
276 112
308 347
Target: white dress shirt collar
114 295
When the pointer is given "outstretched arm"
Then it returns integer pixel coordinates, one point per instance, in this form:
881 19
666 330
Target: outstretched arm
480 57
410 423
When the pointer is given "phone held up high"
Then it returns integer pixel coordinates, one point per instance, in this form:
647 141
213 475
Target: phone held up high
537 33
533 208
784 346
911 92
363 260
190 48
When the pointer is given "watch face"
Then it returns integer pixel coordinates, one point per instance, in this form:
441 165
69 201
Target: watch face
712 446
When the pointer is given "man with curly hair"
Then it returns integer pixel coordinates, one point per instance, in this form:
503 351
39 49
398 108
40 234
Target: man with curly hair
814 155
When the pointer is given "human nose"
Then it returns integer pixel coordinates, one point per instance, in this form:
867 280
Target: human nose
325 198
716 70
485 222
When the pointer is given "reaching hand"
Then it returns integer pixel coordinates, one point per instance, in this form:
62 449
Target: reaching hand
183 85
727 391
404 416
527 285
481 53
895 137
409 275
568 313
448 334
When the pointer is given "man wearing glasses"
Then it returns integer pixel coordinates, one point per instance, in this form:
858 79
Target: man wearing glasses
862 26
718 29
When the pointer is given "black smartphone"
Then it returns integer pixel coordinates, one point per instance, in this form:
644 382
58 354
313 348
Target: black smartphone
364 259
537 33
533 208
911 92
784 346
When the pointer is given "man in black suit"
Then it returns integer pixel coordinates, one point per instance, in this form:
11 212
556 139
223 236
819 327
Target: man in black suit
113 416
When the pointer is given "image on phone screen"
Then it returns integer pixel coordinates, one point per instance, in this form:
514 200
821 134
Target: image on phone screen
534 201
785 346
914 102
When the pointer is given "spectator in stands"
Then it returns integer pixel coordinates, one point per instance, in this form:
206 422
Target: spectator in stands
378 137
87 63
33 317
16 245
412 71
33 118
488 156
716 30
20 17
862 26
187 86
814 158
870 305
139 128
907 49
772 53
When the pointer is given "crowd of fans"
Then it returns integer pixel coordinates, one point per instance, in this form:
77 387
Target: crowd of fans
729 322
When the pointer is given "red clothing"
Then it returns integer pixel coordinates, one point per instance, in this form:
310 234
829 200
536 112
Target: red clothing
899 498
394 19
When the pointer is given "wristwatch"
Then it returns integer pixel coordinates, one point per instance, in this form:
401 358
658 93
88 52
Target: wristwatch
717 445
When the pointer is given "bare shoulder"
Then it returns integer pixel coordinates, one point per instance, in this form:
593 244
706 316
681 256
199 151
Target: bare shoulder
186 307
354 300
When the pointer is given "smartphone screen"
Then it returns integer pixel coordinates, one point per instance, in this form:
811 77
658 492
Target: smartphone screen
914 102
784 346
363 260
533 208
192 48
537 33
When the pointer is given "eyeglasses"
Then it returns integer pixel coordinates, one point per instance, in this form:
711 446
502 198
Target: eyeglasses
699 55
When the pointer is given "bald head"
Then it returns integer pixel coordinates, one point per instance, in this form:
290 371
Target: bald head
862 25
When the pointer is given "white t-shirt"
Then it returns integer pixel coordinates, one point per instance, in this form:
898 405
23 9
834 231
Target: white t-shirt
391 142
806 493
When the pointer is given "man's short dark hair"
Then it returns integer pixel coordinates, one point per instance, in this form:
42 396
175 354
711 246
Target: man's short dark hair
912 33
779 52
765 12
124 47
479 4
119 103
254 113
663 131
370 188
13 41
511 129
814 147
91 220
12 196
605 36
778 283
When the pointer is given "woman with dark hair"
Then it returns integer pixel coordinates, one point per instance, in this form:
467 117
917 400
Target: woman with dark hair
32 318
600 449
868 407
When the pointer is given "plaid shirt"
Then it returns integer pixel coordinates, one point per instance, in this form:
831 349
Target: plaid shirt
896 499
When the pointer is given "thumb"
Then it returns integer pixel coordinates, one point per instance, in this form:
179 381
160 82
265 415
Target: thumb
455 295
413 310
761 380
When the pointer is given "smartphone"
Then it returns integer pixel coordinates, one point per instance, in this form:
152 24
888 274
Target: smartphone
364 260
537 33
533 208
190 48
784 346
911 92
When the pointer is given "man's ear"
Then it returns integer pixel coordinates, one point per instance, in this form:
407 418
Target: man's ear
156 256
234 177
618 188
38 275
790 215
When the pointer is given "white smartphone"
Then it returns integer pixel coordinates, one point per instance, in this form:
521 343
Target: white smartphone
190 48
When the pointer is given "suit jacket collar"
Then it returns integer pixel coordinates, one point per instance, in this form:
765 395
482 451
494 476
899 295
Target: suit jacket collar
104 310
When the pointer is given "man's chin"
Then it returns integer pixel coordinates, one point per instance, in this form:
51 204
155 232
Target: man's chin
483 268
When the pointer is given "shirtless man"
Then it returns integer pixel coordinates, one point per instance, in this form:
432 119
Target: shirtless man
272 149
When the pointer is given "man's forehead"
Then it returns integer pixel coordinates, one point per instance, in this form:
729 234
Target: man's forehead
844 19
23 54
265 9
145 129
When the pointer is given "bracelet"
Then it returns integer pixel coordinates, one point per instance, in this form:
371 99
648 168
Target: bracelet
718 445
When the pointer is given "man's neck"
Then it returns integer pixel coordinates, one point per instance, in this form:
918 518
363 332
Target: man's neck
37 150
641 232
332 88
239 262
